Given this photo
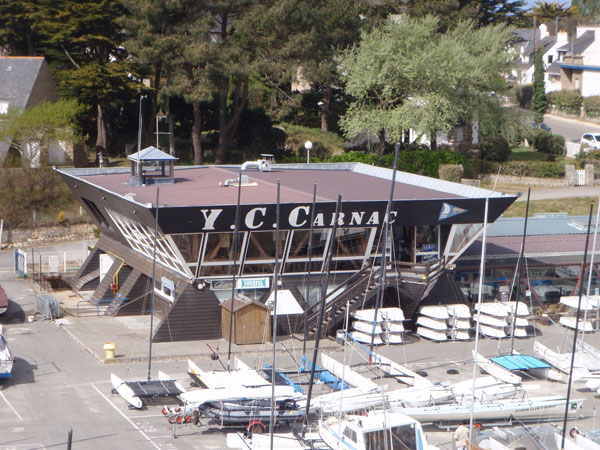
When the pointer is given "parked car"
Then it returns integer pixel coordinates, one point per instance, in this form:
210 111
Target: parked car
541 126
591 140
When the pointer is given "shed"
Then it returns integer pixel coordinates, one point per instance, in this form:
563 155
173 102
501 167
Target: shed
250 318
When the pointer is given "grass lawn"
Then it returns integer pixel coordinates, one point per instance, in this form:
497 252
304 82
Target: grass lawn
526 154
576 206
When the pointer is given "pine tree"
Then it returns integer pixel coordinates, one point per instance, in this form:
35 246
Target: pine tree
540 103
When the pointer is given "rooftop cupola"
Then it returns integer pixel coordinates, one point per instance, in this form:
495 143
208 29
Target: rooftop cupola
152 166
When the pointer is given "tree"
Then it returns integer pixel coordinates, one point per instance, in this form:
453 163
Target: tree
408 75
83 40
298 40
540 103
587 8
510 12
16 31
33 130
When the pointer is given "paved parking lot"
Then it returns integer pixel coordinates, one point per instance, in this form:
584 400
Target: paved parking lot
60 381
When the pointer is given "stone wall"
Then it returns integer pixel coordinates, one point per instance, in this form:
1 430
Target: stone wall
533 181
44 235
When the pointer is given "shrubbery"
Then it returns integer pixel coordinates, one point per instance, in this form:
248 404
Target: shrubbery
592 106
494 148
523 95
534 169
568 102
548 143
451 172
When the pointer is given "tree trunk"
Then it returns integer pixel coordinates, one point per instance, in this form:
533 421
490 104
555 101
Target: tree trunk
101 139
381 136
227 128
326 90
197 135
171 123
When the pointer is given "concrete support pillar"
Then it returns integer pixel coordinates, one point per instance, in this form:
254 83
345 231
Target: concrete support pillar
570 175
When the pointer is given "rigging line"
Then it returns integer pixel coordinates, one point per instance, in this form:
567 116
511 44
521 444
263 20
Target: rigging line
307 277
590 272
275 290
236 250
153 282
587 238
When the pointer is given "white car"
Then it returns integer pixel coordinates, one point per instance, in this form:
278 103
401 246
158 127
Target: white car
591 140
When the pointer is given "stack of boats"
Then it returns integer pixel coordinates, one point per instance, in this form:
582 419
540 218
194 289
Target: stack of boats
388 326
590 305
443 322
496 319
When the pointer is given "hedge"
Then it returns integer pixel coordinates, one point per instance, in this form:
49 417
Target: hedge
592 106
568 102
539 169
451 172
548 143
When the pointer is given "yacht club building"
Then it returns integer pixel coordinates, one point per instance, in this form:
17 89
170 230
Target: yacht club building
197 255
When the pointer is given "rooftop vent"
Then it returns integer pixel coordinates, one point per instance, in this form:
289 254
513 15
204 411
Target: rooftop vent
263 165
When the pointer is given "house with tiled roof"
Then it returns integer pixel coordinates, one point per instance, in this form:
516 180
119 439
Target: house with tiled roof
25 82
524 67
579 62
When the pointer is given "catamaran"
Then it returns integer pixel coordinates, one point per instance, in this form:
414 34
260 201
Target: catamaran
6 357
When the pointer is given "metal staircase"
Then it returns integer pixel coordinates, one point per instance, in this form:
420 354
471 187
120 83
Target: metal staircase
416 280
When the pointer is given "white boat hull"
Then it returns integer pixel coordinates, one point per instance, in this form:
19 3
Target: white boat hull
492 332
432 335
582 326
434 324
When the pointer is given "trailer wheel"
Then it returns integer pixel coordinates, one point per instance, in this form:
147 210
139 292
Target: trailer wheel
196 417
256 427
172 419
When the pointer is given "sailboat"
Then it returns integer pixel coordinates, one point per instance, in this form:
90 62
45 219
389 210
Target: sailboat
6 357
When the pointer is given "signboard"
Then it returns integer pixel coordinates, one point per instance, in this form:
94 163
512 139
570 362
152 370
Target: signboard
253 283
21 263
241 283
429 248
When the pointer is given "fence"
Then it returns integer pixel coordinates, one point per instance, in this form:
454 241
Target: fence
48 268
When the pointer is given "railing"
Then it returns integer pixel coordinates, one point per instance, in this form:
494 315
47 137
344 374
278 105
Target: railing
95 306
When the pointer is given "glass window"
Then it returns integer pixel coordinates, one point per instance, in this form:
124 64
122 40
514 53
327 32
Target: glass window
301 241
351 242
350 434
261 245
250 269
188 245
219 247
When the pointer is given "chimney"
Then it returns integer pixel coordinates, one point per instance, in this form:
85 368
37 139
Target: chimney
562 38
543 31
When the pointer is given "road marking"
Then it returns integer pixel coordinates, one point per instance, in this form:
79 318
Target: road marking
126 418
149 415
11 407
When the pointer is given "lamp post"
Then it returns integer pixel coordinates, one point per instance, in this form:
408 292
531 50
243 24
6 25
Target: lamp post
308 145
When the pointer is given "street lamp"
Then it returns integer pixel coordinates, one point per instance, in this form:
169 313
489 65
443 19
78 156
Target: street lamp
308 146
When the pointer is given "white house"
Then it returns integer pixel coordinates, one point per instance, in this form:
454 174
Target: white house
579 62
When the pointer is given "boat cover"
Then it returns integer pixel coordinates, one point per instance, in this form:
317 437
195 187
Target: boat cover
520 362
154 388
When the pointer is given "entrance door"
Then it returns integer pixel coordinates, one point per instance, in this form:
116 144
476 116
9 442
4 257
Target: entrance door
580 177
106 261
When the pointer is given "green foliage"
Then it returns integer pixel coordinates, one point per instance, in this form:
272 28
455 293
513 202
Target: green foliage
548 143
474 167
451 172
366 158
540 103
494 148
524 95
423 162
534 169
23 191
42 124
567 102
591 106
587 8
408 75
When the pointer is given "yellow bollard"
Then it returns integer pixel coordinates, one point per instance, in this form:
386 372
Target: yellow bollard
110 347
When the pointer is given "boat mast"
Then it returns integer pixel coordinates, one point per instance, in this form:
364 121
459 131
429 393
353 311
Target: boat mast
310 252
383 264
152 290
587 239
589 285
236 231
275 281
520 269
328 261
477 327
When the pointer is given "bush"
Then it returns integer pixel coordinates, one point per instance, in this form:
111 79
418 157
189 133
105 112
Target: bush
451 172
476 167
592 106
568 102
366 158
423 162
524 95
548 143
534 169
494 148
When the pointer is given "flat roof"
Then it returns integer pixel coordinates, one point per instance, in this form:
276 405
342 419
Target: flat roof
354 182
